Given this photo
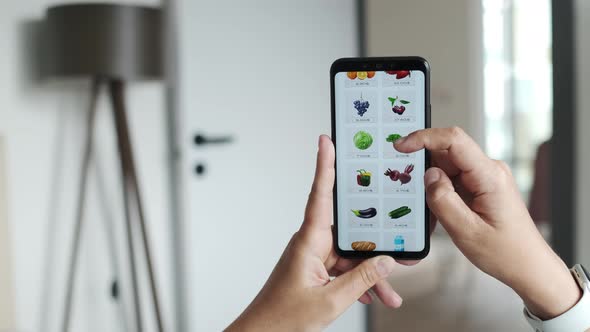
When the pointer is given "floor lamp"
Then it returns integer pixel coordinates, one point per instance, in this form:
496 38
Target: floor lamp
112 45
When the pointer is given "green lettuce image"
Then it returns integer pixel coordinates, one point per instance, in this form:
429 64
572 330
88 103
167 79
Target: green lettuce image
362 140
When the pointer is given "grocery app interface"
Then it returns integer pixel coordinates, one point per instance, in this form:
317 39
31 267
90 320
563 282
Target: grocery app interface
380 190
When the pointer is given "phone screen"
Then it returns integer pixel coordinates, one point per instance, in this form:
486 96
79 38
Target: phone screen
380 198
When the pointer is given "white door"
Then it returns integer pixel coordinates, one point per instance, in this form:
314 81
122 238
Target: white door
258 71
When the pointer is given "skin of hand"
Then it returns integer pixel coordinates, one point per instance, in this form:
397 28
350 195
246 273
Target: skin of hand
299 294
477 201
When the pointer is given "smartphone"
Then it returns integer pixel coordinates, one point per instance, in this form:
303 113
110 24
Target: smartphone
379 197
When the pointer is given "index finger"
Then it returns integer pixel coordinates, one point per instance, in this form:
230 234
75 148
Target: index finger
462 150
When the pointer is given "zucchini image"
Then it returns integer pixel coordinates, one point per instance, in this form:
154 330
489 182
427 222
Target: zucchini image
399 212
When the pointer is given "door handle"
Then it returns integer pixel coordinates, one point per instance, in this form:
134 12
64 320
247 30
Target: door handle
200 140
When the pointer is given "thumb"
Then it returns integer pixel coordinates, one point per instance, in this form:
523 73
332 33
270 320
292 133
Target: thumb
445 203
349 287
318 213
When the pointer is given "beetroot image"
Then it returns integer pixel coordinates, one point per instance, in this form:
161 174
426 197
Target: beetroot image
403 177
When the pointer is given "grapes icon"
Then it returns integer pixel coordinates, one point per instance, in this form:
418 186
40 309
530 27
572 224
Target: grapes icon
361 106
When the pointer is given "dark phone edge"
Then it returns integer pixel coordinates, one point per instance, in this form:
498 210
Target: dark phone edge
370 64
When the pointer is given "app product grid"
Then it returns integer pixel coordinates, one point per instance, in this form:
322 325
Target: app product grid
380 190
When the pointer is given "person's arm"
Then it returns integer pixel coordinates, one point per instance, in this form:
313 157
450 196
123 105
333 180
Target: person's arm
300 294
477 202
575 319
475 199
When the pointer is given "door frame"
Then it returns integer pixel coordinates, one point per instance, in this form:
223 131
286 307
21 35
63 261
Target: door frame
563 142
175 183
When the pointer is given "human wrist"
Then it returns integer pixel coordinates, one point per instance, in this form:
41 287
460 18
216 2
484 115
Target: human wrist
549 292
251 322
262 318
252 319
243 323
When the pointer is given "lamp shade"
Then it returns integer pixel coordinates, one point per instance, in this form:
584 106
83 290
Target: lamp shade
104 40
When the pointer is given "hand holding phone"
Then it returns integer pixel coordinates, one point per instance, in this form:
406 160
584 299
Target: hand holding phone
379 198
299 295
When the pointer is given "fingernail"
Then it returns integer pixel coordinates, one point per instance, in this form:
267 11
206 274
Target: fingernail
398 299
319 140
431 177
385 266
400 140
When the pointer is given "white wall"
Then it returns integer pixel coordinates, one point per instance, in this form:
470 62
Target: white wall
42 124
6 282
449 35
583 121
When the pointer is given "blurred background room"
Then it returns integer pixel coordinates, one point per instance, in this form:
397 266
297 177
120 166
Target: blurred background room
156 156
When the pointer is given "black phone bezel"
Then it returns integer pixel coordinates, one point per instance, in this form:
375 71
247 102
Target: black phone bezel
381 64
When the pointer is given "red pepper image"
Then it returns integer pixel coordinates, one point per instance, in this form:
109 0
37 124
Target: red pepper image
363 178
